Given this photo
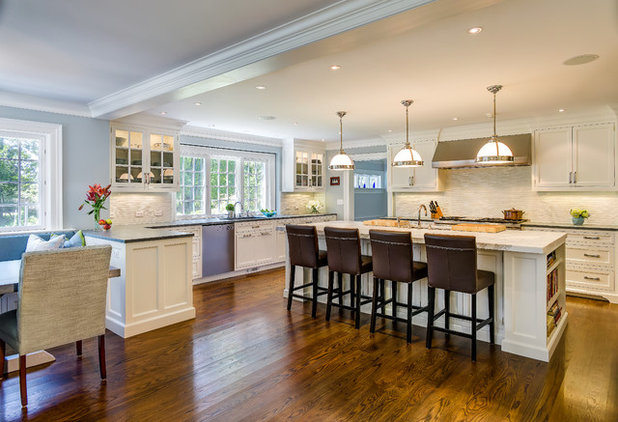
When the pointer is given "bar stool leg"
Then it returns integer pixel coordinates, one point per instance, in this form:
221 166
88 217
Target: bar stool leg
431 305
447 307
473 327
409 330
329 295
314 300
358 303
374 302
394 304
291 286
352 290
492 324
340 284
383 296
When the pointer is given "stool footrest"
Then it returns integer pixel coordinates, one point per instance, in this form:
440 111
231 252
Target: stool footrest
303 286
456 333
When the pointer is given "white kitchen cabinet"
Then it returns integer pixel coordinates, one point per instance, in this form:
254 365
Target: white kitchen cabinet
144 158
413 179
280 239
303 166
571 158
196 249
254 244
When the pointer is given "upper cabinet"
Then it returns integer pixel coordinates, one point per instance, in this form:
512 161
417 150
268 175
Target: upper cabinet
144 158
303 166
578 157
413 179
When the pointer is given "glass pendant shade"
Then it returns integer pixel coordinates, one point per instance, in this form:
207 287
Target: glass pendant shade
341 161
407 156
494 151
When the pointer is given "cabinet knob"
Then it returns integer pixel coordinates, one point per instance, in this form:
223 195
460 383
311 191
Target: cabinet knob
592 278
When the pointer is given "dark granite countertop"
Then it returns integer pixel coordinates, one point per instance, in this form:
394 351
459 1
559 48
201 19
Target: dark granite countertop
126 234
216 220
585 226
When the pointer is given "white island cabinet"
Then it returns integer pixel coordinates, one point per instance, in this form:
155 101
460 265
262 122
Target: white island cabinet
154 289
530 278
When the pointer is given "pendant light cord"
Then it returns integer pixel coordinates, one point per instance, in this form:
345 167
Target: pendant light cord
340 134
495 134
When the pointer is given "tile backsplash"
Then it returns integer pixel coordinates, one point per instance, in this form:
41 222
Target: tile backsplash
296 203
486 192
141 208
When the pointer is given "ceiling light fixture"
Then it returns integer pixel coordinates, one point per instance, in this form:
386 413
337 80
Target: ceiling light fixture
341 161
494 151
475 30
267 117
260 87
407 156
455 118
163 113
197 103
583 59
561 110
335 67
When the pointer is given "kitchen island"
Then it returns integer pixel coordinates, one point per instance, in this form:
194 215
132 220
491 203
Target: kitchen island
530 280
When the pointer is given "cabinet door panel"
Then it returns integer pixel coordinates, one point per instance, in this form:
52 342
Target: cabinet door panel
594 155
400 177
552 157
426 177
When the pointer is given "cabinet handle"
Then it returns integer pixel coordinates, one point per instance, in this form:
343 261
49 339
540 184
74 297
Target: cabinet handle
574 177
570 177
591 237
592 255
592 278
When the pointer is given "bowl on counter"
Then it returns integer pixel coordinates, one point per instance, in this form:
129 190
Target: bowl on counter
269 213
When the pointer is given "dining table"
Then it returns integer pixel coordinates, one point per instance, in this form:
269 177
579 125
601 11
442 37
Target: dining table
9 283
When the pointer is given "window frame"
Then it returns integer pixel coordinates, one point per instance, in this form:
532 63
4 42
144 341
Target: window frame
50 171
208 153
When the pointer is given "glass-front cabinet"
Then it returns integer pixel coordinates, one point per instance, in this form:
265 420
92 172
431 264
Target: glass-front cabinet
309 170
144 159
303 165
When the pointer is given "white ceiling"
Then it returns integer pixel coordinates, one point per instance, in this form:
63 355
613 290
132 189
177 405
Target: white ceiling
439 65
78 51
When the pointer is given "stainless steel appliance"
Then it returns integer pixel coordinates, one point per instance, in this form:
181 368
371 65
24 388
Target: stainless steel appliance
217 249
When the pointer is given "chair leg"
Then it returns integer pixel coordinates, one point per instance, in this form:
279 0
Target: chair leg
409 328
383 296
2 358
329 296
102 368
352 290
473 327
314 301
492 324
394 303
291 286
358 303
374 302
23 391
431 305
340 284
447 307
78 347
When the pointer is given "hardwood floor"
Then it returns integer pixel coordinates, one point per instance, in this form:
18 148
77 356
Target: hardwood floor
245 358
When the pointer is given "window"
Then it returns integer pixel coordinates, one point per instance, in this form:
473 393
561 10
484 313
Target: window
190 197
30 175
367 181
223 188
226 177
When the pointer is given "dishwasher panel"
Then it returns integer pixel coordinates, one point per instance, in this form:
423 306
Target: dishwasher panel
217 249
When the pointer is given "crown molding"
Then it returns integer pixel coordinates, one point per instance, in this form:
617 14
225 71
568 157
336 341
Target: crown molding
150 121
30 102
245 138
334 19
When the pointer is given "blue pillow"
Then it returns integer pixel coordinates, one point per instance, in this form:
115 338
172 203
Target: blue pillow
76 240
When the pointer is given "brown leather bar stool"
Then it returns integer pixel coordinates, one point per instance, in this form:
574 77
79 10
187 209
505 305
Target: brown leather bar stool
344 257
392 260
451 264
304 252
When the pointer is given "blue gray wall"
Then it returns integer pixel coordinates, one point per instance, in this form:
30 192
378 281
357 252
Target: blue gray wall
85 156
370 203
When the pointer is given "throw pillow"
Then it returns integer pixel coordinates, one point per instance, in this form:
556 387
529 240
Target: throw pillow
36 243
77 239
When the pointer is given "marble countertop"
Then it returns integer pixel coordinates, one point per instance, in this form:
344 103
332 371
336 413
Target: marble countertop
585 226
126 234
509 240
216 220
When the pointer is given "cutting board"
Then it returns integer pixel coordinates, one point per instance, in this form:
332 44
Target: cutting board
386 223
485 228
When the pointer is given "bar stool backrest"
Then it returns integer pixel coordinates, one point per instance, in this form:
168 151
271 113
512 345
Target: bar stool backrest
343 250
302 245
392 255
451 262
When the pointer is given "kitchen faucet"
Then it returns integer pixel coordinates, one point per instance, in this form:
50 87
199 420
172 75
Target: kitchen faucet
241 209
422 207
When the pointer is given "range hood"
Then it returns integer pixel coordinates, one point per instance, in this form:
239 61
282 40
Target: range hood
462 153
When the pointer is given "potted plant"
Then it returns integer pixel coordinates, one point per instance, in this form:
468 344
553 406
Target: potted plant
230 210
95 198
314 207
579 216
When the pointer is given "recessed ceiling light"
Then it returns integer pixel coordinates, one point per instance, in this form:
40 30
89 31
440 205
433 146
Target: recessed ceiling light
583 59
475 30
260 87
390 130
335 67
455 118
267 117
561 110
163 113
197 103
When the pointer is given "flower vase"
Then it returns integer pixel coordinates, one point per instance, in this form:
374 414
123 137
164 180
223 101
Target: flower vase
97 217
578 221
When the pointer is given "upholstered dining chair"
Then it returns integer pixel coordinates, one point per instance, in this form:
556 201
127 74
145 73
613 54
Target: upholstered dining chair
61 300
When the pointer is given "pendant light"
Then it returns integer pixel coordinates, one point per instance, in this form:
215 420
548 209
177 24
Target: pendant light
341 161
494 151
407 156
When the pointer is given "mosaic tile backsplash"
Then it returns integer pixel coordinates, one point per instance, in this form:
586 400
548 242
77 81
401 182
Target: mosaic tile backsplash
486 192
